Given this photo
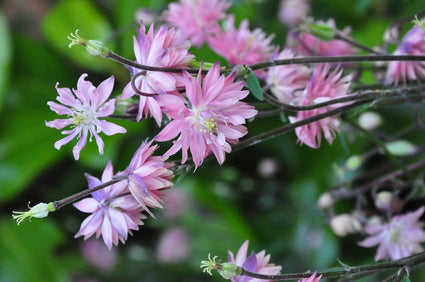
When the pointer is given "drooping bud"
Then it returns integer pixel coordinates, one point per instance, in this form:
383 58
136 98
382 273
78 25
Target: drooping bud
325 201
369 120
39 211
93 47
385 200
345 224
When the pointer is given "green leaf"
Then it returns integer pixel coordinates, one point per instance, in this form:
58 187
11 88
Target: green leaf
5 56
68 16
254 85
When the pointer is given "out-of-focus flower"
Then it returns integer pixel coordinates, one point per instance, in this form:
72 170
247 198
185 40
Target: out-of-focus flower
308 45
387 201
145 15
325 85
196 19
257 263
292 12
370 120
312 278
399 238
164 48
84 108
114 212
212 119
287 82
98 255
413 43
147 176
268 167
241 46
174 246
325 201
345 224
175 203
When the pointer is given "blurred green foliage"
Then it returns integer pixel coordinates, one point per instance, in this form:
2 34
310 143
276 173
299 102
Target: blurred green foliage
227 204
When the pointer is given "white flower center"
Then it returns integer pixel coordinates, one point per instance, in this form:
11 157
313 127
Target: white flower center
205 122
83 117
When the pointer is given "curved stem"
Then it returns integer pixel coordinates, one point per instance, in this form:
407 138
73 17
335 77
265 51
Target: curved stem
138 92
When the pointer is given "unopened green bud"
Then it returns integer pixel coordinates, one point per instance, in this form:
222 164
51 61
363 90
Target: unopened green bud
401 148
197 65
39 211
321 30
94 47
354 162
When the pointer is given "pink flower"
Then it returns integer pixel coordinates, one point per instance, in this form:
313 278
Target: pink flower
312 278
324 86
286 81
241 46
114 212
196 18
292 12
399 238
258 263
84 108
147 176
413 43
211 119
164 48
174 246
309 45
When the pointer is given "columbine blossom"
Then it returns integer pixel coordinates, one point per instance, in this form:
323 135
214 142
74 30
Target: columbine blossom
147 176
292 12
312 278
211 120
257 263
309 45
114 212
241 46
399 238
287 82
324 86
196 18
413 43
163 48
84 108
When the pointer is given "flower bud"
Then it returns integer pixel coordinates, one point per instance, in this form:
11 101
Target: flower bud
322 31
228 270
93 47
325 201
385 200
369 120
354 162
345 224
39 211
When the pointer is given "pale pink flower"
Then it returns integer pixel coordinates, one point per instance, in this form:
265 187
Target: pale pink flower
196 18
163 48
312 278
257 263
211 120
84 108
292 12
399 238
114 212
173 246
241 46
287 82
325 85
147 176
309 45
413 43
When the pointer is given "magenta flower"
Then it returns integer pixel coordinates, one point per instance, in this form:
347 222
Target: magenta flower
241 46
308 45
164 48
211 119
257 263
114 212
399 238
287 82
312 278
413 43
147 176
324 85
84 108
196 18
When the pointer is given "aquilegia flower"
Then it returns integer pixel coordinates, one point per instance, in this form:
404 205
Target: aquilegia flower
312 278
241 46
114 212
324 86
399 238
257 263
413 43
196 18
147 176
292 12
211 119
84 108
287 82
163 48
